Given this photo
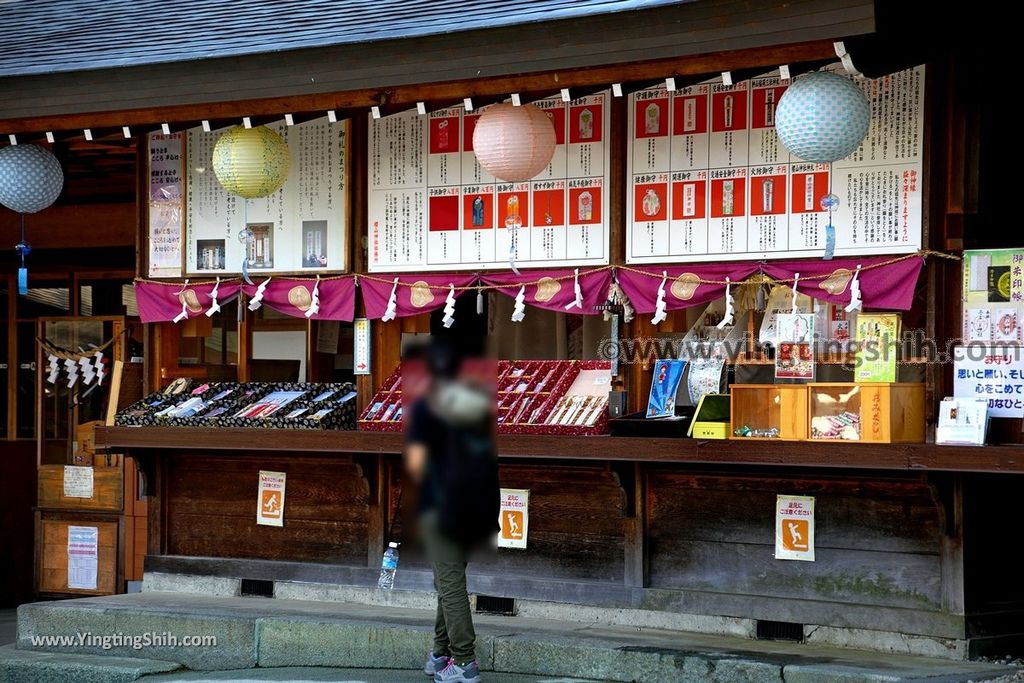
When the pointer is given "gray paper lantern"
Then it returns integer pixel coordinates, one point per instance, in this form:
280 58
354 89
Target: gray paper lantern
30 178
822 117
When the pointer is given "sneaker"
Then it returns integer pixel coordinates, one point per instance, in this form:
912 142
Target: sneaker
434 664
453 673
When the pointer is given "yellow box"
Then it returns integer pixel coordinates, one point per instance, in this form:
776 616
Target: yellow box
711 419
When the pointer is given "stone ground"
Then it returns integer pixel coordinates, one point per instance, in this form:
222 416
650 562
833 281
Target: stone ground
8 625
309 675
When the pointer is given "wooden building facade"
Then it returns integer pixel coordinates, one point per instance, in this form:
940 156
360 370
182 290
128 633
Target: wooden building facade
909 551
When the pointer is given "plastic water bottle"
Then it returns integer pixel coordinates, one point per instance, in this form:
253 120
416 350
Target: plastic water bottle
388 567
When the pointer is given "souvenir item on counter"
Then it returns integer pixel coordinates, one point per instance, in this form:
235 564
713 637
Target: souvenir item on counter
664 385
704 377
794 346
877 339
962 421
532 397
249 405
269 404
845 426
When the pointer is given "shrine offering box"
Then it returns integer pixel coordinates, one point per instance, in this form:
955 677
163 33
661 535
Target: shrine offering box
533 397
867 413
768 411
711 419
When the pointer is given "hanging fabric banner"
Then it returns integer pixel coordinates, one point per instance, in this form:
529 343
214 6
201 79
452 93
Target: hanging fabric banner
415 293
335 297
555 290
168 301
885 282
685 286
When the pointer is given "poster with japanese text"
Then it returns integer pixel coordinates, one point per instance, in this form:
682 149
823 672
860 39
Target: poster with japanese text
994 373
876 336
299 228
431 206
794 528
83 557
993 296
710 180
166 164
514 518
270 504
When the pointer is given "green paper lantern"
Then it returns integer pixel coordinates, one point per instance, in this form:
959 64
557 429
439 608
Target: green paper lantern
251 162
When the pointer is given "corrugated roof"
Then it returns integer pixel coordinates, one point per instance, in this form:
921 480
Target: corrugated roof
47 36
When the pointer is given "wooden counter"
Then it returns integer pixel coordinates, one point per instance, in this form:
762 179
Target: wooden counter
915 457
677 525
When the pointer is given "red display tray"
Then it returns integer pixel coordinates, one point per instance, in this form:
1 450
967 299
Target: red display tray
528 394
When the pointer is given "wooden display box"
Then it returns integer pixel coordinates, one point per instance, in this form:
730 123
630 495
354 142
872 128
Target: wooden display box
761 407
107 492
866 413
52 553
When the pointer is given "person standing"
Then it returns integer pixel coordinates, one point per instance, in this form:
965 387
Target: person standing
451 452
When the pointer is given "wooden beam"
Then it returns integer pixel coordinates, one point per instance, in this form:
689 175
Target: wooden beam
406 96
769 453
74 227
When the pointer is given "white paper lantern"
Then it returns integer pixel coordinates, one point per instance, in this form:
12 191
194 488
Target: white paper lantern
822 117
514 143
30 178
251 162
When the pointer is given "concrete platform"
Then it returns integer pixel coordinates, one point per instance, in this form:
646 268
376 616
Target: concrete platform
265 632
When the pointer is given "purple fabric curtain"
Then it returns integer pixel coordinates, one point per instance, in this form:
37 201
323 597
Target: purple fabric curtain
885 283
683 286
889 286
415 293
164 301
555 289
293 296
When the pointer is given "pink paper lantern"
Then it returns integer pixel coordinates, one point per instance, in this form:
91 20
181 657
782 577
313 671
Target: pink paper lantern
514 143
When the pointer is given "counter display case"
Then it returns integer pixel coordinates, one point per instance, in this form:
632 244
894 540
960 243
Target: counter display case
533 397
282 405
867 413
768 411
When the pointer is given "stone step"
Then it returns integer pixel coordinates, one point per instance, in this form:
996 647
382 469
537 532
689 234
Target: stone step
269 632
29 666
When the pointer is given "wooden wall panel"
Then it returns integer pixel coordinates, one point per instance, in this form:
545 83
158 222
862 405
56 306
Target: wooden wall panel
53 569
211 509
877 542
576 525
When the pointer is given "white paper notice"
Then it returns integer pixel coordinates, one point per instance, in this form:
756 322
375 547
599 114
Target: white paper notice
710 180
82 556
514 518
794 528
361 346
270 506
78 482
433 207
995 373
